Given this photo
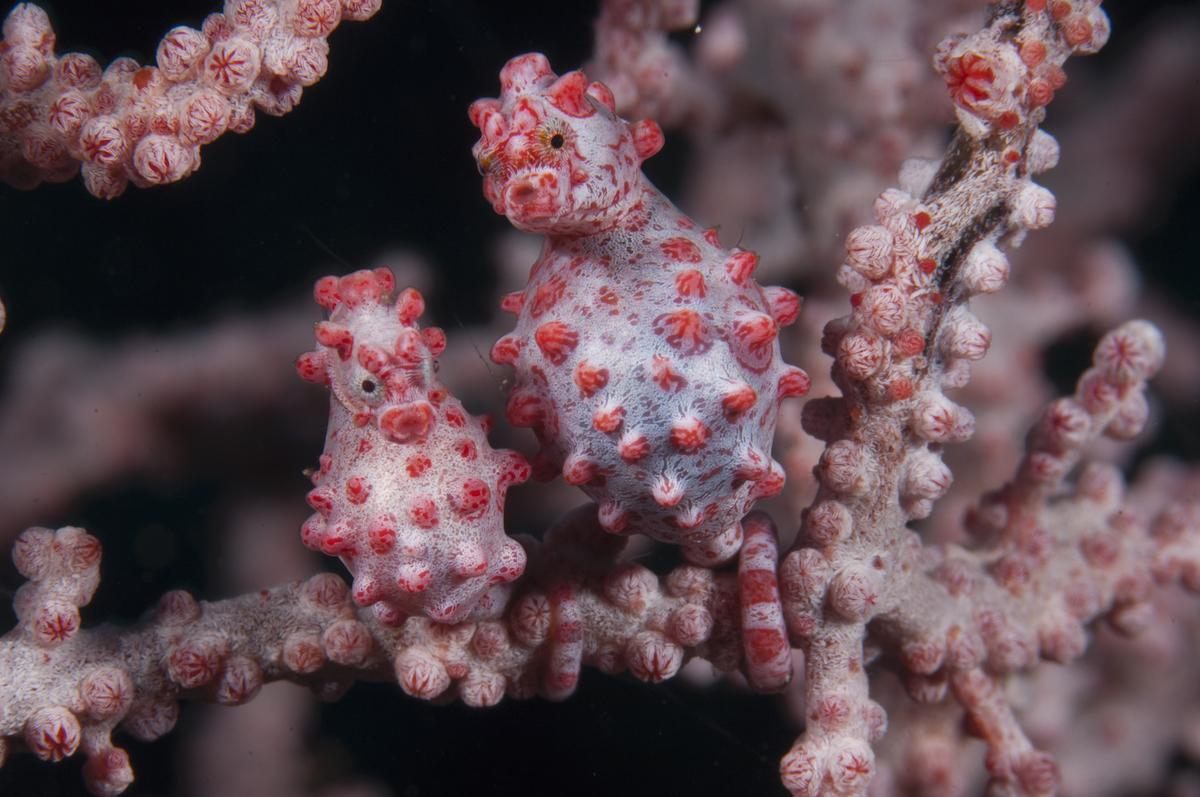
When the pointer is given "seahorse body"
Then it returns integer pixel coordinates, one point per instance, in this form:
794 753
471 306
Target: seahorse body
646 356
409 493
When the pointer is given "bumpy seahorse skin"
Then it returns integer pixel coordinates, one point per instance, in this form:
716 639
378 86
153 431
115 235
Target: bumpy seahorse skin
409 493
646 355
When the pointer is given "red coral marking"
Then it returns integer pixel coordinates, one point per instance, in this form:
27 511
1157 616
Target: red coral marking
922 219
424 513
193 664
317 17
633 448
413 581
690 283
763 644
516 470
681 249
507 350
908 343
928 265
230 66
1040 94
578 471
567 94
1032 53
77 70
666 491
371 358
417 465
53 626
410 305
793 383
590 378
759 587
409 348
665 376
358 490
142 77
1060 10
556 340
435 340
311 367
783 304
647 137
547 295
770 485
1077 30
969 78
684 330
472 498
51 737
513 302
336 540
320 499
84 552
382 539
1035 5
738 400
362 287
755 335
409 423
365 445
467 450
336 337
710 235
456 418
68 113
900 389
608 419
689 435
524 409
1055 76
740 266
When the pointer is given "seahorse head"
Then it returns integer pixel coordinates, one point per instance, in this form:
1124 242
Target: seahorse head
378 364
555 157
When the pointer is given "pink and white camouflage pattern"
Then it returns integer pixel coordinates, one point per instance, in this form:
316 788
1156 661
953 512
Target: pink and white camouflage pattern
409 493
646 356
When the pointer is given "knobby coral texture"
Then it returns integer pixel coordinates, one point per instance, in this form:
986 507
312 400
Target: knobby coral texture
863 437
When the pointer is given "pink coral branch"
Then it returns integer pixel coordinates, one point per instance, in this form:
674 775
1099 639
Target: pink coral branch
64 689
146 124
910 337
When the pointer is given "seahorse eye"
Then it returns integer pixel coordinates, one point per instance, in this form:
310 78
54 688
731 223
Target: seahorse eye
557 141
368 386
